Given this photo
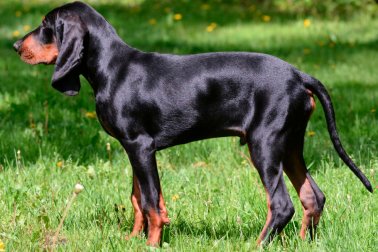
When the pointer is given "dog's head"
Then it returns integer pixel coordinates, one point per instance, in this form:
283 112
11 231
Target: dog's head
58 40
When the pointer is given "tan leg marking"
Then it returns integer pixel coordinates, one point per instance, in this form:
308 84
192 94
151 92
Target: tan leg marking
155 221
139 218
310 215
155 228
163 210
298 177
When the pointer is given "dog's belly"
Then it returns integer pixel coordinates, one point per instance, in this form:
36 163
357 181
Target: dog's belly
197 133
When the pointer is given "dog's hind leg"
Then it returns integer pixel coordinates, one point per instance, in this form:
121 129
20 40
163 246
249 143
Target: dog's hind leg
311 196
266 154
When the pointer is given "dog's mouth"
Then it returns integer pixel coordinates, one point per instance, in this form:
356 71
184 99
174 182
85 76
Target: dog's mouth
29 57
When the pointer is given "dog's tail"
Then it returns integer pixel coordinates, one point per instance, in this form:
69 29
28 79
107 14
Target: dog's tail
319 90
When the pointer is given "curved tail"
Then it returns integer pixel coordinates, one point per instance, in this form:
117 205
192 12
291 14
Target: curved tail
319 90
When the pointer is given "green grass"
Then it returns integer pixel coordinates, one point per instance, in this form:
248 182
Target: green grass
215 199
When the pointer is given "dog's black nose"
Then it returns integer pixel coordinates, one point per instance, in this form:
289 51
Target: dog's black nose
17 45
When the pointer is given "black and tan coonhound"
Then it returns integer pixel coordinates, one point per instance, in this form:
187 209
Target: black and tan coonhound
151 101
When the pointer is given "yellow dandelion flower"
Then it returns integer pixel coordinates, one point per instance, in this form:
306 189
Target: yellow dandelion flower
306 22
177 16
91 115
152 21
2 246
311 133
16 33
18 13
175 197
205 6
266 18
59 164
26 28
211 27
306 51
373 110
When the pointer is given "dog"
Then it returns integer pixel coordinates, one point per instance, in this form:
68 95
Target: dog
152 101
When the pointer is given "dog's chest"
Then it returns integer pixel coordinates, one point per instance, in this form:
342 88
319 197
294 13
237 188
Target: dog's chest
106 118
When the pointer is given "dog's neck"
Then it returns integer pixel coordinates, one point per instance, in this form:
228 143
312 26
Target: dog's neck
98 59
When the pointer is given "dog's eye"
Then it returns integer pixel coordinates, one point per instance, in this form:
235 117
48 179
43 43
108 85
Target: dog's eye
46 35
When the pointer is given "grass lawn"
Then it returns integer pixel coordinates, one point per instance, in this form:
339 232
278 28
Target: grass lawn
215 199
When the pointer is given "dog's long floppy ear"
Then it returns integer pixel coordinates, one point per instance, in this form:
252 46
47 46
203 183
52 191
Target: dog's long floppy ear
70 33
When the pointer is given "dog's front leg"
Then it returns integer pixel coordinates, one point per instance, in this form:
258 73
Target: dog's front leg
140 220
147 199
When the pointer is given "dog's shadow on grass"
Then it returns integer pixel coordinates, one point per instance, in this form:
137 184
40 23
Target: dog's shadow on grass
247 232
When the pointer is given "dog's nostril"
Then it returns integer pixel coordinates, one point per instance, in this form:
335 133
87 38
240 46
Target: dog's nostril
17 45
